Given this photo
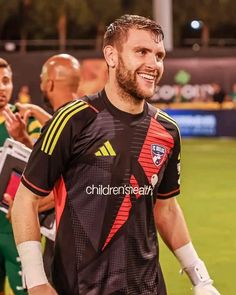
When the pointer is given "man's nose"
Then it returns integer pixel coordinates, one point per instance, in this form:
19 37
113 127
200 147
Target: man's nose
152 62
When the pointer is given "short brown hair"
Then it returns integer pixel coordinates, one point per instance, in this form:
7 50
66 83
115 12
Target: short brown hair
117 31
4 64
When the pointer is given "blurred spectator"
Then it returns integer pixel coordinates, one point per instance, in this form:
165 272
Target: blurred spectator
218 93
93 76
232 95
23 95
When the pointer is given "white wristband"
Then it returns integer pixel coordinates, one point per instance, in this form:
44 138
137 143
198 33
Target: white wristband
186 255
193 265
33 273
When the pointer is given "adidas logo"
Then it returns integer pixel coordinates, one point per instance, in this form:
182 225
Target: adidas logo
106 150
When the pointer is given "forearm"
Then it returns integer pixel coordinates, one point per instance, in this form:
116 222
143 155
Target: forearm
27 236
40 114
25 139
25 217
171 224
172 227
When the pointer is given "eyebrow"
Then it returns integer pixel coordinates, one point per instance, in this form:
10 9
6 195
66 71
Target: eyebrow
142 48
149 50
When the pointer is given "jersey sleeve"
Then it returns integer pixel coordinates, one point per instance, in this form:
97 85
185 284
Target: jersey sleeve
170 183
53 150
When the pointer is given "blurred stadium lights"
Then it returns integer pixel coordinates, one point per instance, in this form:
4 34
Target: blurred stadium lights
10 46
162 13
50 44
196 24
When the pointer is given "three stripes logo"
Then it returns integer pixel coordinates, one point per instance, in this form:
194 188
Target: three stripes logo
59 123
105 150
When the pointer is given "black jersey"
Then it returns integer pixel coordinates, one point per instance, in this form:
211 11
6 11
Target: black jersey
109 167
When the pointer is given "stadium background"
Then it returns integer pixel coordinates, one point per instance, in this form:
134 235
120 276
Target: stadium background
208 160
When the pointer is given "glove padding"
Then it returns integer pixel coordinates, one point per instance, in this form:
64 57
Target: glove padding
205 290
199 276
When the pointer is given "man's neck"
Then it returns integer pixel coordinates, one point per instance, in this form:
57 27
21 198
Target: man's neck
123 101
60 101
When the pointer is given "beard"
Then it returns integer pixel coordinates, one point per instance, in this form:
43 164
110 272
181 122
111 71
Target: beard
46 103
127 81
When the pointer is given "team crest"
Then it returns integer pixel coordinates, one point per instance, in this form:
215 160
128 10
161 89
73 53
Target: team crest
158 153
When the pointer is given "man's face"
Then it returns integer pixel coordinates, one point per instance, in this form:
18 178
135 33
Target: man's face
44 78
44 86
140 64
6 86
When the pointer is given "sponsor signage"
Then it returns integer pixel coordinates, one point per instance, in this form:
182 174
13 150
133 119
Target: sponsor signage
197 123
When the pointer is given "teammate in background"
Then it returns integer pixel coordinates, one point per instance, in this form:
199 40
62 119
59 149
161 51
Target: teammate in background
16 128
118 158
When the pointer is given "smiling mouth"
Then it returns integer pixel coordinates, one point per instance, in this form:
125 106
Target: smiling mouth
148 77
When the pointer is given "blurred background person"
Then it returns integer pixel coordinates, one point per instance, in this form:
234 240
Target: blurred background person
24 94
11 125
232 95
218 93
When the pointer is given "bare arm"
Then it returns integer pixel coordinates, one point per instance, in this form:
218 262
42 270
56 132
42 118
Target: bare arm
171 224
25 216
27 236
172 227
39 113
44 204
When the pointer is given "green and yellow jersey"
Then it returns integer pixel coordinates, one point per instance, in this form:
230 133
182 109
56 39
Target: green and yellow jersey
33 129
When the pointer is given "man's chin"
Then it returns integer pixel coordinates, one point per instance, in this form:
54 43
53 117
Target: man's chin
146 94
2 106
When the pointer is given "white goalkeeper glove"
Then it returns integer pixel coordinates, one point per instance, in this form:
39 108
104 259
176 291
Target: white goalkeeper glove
196 270
205 290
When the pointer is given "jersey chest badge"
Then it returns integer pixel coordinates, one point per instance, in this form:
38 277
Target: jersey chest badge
158 153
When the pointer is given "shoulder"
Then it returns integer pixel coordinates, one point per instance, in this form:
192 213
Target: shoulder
95 101
165 120
78 109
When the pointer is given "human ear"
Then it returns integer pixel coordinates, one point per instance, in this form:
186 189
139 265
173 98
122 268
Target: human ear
110 54
50 85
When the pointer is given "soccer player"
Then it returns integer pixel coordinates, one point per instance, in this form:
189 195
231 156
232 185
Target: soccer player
118 159
9 260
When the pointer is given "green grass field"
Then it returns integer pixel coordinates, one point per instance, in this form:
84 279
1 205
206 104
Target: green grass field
208 199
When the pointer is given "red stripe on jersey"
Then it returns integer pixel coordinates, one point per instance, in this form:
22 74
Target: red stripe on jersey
169 193
34 186
120 220
92 107
60 199
134 183
158 135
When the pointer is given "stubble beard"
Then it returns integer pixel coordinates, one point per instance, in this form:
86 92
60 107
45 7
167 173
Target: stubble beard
46 101
128 84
